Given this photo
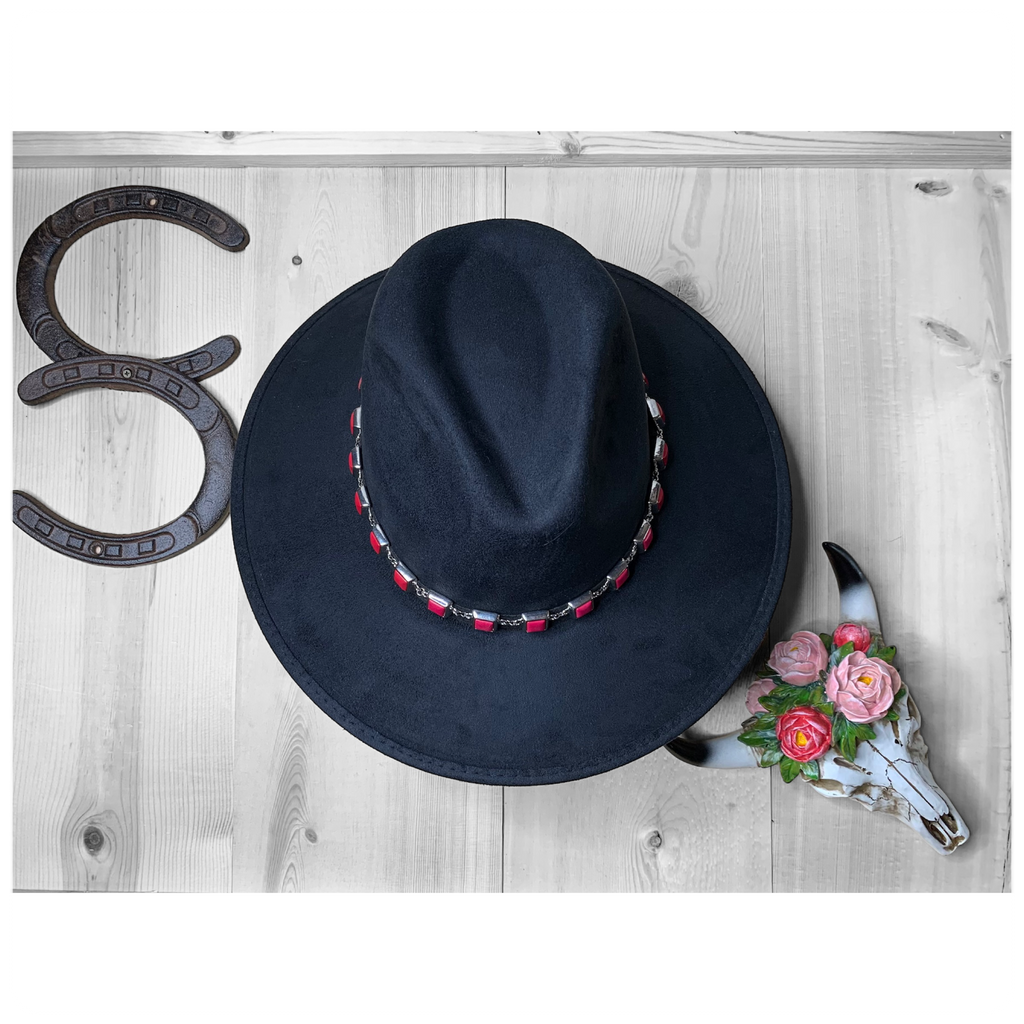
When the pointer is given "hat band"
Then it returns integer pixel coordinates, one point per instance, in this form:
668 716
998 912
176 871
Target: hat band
537 621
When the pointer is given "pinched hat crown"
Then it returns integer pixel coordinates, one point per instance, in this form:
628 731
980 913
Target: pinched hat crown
505 437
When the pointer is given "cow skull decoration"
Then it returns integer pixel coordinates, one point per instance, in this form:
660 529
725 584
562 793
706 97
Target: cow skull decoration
834 710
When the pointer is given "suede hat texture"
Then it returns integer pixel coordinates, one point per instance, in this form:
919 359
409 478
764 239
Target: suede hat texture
506 447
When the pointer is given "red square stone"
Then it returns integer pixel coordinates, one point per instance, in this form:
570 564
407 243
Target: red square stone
437 608
402 582
648 538
485 625
351 466
584 609
359 504
621 578
536 625
352 422
374 543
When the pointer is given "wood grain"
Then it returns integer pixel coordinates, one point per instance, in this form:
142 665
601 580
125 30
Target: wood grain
656 824
124 684
338 149
159 744
139 765
316 809
886 320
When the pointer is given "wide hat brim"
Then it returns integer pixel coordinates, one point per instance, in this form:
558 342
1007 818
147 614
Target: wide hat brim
511 708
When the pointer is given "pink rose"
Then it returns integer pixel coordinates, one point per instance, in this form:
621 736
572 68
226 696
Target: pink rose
758 688
862 688
804 734
851 631
800 659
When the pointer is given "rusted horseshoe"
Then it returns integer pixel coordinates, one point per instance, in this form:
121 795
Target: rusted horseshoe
77 365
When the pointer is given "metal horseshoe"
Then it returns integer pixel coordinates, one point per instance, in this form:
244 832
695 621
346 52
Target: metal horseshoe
77 365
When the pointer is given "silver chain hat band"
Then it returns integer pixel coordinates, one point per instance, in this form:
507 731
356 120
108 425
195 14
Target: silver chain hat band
538 621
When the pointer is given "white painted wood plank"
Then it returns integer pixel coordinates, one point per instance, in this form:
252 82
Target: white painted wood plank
886 311
741 149
316 809
137 729
657 824
124 678
886 316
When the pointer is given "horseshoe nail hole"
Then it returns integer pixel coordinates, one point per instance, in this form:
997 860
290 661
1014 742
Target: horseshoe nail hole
297 260
311 835
152 201
97 549
126 372
92 838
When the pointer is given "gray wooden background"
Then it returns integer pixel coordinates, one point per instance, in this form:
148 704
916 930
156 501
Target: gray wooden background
864 278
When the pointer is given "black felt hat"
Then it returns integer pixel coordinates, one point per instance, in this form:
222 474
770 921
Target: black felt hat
445 492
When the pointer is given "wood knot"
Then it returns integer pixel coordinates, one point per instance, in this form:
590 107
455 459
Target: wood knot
228 136
570 146
992 191
311 835
934 188
654 840
948 334
684 287
297 260
92 839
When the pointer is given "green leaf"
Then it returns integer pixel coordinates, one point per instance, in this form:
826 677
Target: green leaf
819 702
846 735
892 714
900 694
786 697
826 639
770 757
809 769
789 769
843 737
863 731
839 653
886 654
760 732
761 738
